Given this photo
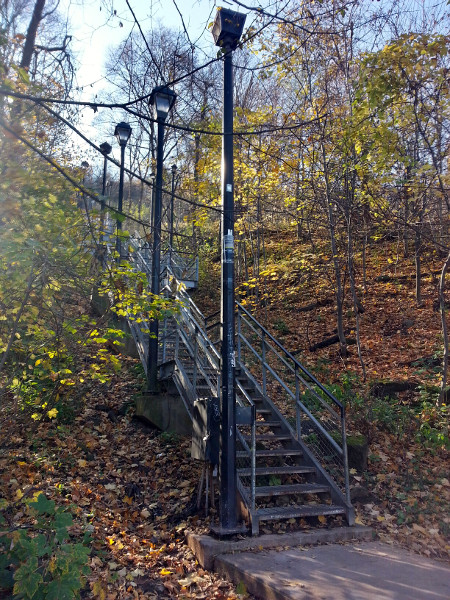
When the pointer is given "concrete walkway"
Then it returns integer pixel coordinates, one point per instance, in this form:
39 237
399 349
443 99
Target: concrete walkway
359 570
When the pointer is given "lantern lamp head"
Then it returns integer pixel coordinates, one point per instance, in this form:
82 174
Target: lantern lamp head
162 99
227 28
122 133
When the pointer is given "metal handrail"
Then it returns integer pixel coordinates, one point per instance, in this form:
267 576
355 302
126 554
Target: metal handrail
292 357
317 438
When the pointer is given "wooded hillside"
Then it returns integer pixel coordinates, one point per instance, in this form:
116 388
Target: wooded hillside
342 245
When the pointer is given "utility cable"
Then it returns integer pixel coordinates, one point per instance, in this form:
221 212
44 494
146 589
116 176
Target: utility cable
79 186
139 115
147 44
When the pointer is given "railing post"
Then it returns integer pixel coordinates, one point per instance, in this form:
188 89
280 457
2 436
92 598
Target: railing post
164 348
177 342
239 334
253 476
194 376
263 364
297 405
345 457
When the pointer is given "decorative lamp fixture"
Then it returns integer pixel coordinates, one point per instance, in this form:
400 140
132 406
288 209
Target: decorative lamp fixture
174 169
105 148
162 99
122 133
227 28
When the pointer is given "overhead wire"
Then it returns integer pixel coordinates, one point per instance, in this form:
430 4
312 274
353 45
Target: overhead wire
95 106
79 185
155 62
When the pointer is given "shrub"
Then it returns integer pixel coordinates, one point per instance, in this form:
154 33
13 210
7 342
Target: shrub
41 562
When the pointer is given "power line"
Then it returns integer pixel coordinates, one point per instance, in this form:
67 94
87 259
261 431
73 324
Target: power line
76 184
95 106
146 43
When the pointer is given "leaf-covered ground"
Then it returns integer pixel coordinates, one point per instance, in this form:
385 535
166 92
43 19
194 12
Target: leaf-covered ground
135 489
405 492
132 488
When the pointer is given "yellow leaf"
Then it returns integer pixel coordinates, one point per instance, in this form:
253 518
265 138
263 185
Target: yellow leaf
165 572
322 519
98 590
81 462
52 413
19 494
128 500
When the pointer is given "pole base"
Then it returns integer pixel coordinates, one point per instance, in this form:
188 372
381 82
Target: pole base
222 532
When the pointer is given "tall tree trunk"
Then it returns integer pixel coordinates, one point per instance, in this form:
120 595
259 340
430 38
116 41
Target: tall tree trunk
417 258
445 357
30 39
337 266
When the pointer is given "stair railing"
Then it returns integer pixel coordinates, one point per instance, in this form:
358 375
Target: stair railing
196 357
314 415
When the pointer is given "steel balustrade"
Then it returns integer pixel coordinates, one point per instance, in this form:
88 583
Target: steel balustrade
304 407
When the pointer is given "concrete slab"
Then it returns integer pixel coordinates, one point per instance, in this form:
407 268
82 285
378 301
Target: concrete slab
356 571
206 547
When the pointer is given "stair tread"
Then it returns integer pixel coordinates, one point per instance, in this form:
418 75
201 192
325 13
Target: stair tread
306 510
285 470
268 423
268 453
268 437
295 488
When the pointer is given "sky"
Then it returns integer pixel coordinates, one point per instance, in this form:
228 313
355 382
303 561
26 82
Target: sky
95 28
97 25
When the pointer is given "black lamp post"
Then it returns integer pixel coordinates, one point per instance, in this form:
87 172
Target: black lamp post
105 149
172 198
227 30
85 166
162 99
122 133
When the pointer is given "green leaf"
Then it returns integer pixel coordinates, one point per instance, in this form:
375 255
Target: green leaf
6 579
42 547
26 579
63 519
63 588
241 589
23 74
42 505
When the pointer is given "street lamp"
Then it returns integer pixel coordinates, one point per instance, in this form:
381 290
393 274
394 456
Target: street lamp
105 149
162 99
227 30
172 197
122 133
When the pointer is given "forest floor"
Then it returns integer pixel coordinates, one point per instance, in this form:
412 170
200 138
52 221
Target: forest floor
135 489
405 491
129 485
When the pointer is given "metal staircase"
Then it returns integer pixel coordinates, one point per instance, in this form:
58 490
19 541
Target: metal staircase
291 453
